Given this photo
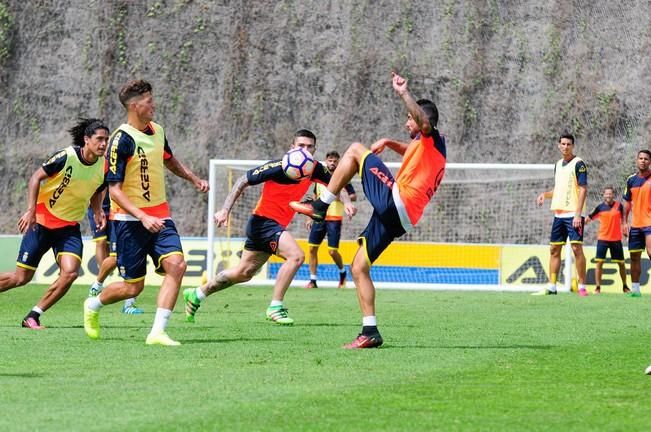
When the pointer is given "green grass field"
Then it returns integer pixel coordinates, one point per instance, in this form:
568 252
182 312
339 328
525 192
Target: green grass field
451 361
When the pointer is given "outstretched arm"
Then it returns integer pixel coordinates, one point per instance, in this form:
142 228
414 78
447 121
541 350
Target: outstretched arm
180 170
221 217
417 113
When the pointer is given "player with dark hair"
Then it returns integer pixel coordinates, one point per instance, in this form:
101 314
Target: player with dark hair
58 194
137 157
610 214
398 202
637 197
331 226
266 232
568 203
106 256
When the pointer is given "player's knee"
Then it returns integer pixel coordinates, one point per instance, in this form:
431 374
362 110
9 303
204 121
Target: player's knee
175 267
134 290
296 259
356 150
245 275
69 276
21 279
333 252
359 268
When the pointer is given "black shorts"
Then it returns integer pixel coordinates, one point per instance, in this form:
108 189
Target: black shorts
616 250
319 230
262 235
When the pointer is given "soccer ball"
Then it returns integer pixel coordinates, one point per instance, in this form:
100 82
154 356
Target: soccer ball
298 164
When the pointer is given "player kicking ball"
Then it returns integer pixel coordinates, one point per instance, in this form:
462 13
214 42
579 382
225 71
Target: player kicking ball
266 232
398 202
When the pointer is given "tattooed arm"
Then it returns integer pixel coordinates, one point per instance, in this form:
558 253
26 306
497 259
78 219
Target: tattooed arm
221 217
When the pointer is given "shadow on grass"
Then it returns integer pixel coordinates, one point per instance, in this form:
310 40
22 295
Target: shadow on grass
477 347
224 340
21 375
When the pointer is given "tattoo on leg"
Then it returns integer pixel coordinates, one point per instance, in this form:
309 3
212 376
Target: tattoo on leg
220 282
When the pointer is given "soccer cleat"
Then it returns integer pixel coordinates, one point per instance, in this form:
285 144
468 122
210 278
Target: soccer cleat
315 209
342 280
32 323
365 341
91 322
161 339
544 292
95 289
311 284
192 303
132 310
597 290
583 292
278 314
634 294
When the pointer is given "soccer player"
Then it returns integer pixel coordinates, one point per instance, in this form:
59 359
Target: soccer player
331 226
58 194
266 232
105 255
568 203
637 196
610 214
398 202
138 155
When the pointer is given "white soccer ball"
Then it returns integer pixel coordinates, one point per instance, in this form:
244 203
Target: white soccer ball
648 370
298 164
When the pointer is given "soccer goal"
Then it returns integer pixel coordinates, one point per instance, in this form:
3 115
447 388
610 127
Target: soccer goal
482 224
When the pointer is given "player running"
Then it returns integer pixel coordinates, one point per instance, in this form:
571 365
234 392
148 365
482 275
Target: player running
58 194
398 202
266 232
138 155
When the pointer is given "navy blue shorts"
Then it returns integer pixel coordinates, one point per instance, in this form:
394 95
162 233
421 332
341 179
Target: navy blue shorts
38 240
97 235
134 243
562 228
637 239
262 235
384 225
319 230
616 250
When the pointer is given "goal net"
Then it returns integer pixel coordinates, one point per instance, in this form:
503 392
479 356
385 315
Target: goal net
456 245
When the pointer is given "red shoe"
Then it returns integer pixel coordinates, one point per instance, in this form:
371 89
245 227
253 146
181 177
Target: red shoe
583 292
363 341
342 280
310 285
314 209
32 323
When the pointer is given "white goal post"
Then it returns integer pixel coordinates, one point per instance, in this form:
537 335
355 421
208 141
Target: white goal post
479 207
